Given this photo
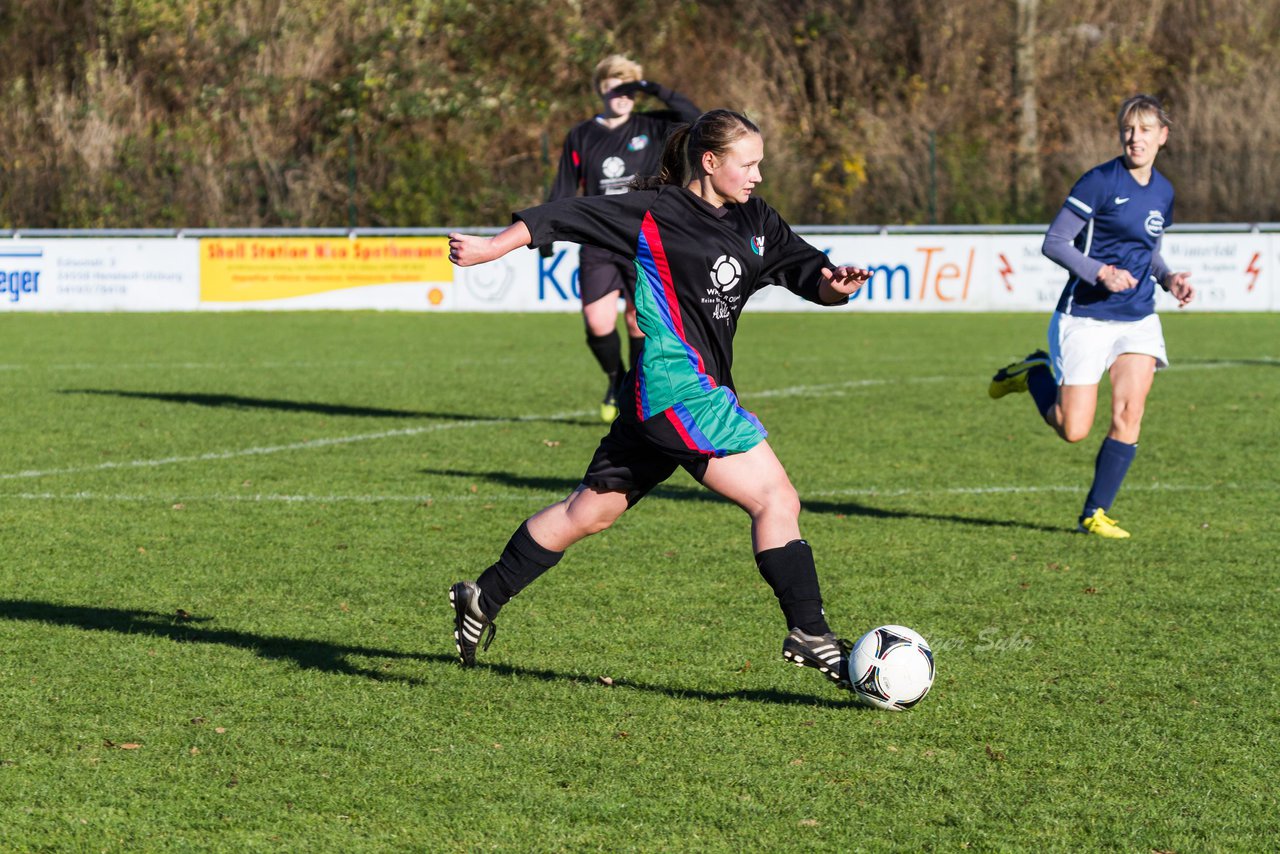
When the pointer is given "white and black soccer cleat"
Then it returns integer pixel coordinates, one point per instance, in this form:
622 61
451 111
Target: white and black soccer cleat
469 622
827 653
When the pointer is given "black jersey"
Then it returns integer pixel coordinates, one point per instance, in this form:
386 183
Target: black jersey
696 266
600 161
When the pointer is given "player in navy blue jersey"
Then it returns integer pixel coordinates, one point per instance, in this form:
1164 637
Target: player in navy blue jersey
601 157
701 243
1107 236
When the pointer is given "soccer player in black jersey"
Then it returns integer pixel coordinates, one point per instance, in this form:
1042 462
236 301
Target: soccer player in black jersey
602 156
701 244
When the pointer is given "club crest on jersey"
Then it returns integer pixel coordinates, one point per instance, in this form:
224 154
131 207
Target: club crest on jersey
1155 223
638 143
726 272
757 244
613 167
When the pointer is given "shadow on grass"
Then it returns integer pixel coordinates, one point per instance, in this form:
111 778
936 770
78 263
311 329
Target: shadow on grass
336 658
562 487
236 401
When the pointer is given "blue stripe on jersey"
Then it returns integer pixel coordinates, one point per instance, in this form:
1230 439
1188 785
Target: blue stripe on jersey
695 433
749 416
665 300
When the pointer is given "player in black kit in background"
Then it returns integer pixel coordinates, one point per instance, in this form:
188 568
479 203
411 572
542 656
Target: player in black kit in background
601 157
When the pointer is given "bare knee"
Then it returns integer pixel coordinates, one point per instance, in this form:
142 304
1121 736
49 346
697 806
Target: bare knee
1073 433
1127 423
779 501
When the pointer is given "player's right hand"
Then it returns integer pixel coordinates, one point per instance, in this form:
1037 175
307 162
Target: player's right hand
467 250
1116 279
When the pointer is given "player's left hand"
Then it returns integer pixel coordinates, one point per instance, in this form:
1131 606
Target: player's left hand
1179 285
846 280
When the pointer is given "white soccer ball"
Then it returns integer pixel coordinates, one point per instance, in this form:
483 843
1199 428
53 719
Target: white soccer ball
891 667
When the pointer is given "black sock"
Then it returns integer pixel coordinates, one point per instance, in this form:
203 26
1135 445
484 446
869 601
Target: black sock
637 349
607 349
793 576
522 561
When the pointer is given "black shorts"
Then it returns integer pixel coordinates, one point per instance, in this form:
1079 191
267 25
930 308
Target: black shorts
634 458
601 272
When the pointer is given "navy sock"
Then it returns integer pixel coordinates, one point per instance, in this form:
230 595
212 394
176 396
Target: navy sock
1043 388
1109 470
607 349
791 572
637 349
520 564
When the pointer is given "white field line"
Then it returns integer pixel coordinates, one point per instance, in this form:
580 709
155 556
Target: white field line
178 366
821 390
205 366
543 495
308 445
827 389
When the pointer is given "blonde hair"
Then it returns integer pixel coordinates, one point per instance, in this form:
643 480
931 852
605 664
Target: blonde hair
1142 105
616 66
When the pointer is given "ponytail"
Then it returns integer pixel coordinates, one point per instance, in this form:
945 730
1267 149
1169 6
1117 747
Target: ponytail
674 168
714 131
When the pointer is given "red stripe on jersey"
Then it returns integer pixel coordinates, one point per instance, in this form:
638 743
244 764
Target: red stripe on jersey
679 426
650 229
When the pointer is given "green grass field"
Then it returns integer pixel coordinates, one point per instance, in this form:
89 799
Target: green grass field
226 541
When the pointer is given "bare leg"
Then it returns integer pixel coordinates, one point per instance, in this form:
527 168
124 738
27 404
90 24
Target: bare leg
757 483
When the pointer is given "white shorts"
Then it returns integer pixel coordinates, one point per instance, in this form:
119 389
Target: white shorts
1082 349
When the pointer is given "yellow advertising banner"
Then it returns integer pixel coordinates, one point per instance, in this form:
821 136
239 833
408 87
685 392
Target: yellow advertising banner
259 269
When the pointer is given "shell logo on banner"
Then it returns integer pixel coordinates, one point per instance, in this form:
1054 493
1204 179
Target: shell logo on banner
336 273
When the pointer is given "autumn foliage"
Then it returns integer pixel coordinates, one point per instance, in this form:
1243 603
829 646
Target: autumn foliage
173 113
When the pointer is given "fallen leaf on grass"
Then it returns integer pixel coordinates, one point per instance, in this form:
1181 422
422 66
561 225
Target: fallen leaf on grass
995 755
808 822
128 745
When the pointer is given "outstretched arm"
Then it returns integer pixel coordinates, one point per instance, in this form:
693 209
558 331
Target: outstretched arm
841 283
467 250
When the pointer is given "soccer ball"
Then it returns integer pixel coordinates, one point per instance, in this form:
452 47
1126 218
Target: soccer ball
891 667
